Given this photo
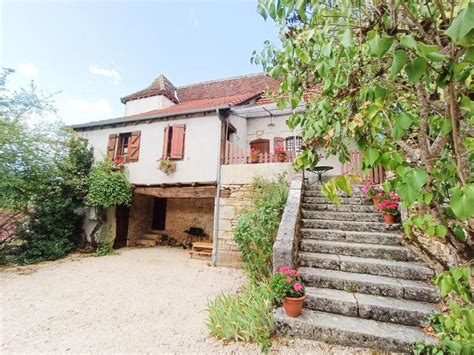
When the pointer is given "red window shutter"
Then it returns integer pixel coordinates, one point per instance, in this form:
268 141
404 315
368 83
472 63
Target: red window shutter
166 137
278 142
177 141
134 146
111 145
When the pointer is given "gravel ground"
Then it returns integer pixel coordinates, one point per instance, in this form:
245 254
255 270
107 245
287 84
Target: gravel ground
139 300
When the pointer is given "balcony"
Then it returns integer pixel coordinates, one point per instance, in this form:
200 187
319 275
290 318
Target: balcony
235 154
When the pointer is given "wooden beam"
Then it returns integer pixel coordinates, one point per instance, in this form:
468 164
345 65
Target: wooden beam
178 192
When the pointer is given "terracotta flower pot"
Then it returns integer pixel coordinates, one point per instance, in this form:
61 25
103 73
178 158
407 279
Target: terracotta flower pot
374 201
389 218
293 305
281 158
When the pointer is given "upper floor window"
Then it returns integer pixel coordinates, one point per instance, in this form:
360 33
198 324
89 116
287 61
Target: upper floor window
124 146
291 146
173 142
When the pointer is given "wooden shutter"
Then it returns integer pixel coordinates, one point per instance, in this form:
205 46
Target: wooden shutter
278 142
111 145
177 141
166 137
134 146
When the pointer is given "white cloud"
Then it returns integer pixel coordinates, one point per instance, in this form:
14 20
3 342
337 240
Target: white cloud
107 72
78 110
29 70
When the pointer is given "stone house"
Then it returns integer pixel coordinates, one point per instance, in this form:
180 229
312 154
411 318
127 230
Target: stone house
206 130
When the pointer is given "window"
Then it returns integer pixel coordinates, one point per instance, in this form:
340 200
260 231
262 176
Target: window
173 142
290 144
124 146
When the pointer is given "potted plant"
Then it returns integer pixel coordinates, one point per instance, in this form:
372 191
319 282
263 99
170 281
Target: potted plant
373 192
287 286
389 208
280 153
167 166
118 164
254 155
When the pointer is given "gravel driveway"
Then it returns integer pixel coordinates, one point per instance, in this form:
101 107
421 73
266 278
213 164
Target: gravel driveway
139 300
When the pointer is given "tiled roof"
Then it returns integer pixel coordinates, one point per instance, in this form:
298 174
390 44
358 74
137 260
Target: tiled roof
309 93
195 105
240 85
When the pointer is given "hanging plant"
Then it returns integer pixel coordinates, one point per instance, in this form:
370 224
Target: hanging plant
167 166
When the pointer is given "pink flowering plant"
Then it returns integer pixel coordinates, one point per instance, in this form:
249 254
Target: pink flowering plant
372 190
254 153
280 151
388 206
287 283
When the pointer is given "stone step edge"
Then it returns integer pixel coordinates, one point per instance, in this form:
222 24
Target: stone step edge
346 244
350 331
384 309
362 214
394 225
319 230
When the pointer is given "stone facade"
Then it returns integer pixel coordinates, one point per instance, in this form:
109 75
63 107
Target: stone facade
233 198
183 213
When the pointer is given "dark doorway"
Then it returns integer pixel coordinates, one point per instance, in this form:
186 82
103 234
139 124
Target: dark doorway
121 215
159 214
262 145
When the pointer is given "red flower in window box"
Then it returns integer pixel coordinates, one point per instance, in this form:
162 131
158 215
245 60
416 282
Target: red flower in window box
254 155
280 153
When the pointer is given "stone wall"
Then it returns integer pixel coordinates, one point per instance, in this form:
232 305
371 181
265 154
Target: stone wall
140 218
233 197
183 213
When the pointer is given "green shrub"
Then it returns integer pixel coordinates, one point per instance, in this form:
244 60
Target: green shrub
246 316
257 226
455 326
103 248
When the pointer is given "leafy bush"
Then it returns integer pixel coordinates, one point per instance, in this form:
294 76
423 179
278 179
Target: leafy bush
108 187
243 317
455 327
257 225
103 248
247 316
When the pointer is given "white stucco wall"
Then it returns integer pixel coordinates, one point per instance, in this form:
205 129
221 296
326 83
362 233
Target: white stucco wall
244 173
240 137
147 104
201 152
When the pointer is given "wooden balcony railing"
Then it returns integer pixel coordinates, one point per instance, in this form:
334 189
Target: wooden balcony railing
238 155
376 175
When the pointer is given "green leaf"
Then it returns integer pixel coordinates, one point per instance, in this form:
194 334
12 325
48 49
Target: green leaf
440 231
402 122
346 40
343 182
378 46
262 11
408 42
462 202
462 24
411 187
416 69
372 155
400 58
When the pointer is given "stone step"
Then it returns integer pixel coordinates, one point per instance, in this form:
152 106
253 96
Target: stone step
343 216
398 269
145 242
349 225
319 193
317 187
385 309
339 208
344 200
369 284
349 331
387 252
351 236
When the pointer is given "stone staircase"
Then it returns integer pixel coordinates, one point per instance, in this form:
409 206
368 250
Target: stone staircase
364 288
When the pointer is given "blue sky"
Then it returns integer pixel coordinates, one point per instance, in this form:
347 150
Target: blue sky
94 52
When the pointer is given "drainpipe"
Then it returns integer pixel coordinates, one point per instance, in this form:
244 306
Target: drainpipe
218 194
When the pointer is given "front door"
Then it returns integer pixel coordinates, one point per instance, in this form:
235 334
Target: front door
159 214
121 216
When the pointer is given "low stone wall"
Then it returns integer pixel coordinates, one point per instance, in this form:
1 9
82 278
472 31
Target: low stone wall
236 181
285 248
